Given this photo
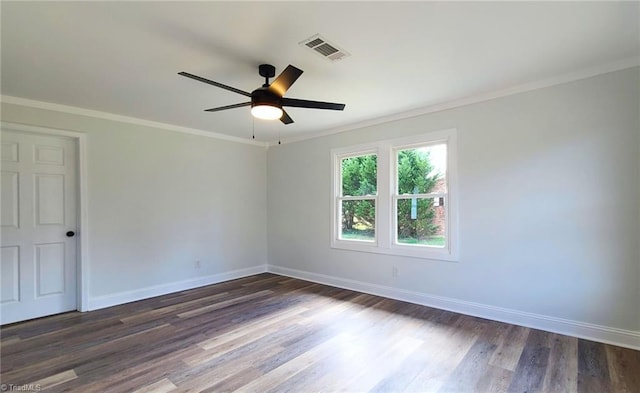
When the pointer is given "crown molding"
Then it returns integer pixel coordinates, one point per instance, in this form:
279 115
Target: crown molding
523 88
124 119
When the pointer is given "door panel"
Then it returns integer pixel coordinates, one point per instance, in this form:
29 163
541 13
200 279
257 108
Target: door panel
50 269
38 207
49 199
9 196
49 155
10 275
9 151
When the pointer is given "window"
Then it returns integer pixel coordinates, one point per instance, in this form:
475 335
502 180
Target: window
397 197
420 195
357 199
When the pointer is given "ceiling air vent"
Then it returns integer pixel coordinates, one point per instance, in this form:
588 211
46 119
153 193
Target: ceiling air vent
320 46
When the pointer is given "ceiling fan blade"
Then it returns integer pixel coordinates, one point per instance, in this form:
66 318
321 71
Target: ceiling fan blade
221 108
284 81
216 84
312 104
286 119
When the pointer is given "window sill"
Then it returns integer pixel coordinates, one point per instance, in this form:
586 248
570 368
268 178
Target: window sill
422 252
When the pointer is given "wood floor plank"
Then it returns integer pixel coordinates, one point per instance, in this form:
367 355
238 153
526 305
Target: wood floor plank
234 381
562 368
508 353
34 349
382 366
55 380
366 326
229 371
8 340
268 333
532 366
407 372
57 361
62 335
624 369
471 368
335 370
167 309
256 329
216 349
446 349
258 354
226 303
496 380
162 386
593 368
132 376
281 373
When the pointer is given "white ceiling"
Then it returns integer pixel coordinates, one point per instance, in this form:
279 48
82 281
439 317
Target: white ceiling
123 57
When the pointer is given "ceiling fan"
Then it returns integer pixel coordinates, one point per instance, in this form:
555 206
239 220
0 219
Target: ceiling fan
267 101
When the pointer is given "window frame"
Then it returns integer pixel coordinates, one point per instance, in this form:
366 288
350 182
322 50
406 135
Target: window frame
395 196
387 196
340 198
337 197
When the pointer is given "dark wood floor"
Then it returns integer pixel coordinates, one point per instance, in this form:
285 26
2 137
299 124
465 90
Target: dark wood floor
269 333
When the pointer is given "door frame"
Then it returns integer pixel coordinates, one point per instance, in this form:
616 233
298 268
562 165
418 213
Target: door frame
82 224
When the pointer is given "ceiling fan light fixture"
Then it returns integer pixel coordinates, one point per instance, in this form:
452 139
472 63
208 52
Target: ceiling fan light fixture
266 112
267 101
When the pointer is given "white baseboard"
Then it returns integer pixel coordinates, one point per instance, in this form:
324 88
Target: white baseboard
604 334
115 299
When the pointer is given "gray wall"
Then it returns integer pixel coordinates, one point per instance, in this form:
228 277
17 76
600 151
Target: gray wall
160 200
549 204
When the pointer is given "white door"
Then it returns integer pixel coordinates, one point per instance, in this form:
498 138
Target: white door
38 217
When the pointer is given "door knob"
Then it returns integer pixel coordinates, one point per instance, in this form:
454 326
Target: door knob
71 234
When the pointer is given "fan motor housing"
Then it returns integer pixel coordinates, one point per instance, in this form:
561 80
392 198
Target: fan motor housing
263 95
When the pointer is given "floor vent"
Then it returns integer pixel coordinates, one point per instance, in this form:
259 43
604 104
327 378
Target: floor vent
320 46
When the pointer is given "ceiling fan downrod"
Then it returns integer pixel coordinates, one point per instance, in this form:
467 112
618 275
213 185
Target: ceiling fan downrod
267 71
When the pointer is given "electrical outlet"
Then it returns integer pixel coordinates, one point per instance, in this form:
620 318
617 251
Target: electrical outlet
394 271
198 265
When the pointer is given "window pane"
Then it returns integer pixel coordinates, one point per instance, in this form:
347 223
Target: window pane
421 221
358 220
359 175
422 170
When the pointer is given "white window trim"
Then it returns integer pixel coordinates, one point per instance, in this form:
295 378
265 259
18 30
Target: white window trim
385 232
337 157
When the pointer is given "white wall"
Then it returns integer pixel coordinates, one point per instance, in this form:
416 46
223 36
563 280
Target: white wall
158 201
549 209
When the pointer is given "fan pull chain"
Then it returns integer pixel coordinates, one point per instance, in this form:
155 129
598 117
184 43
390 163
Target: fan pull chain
279 143
253 133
